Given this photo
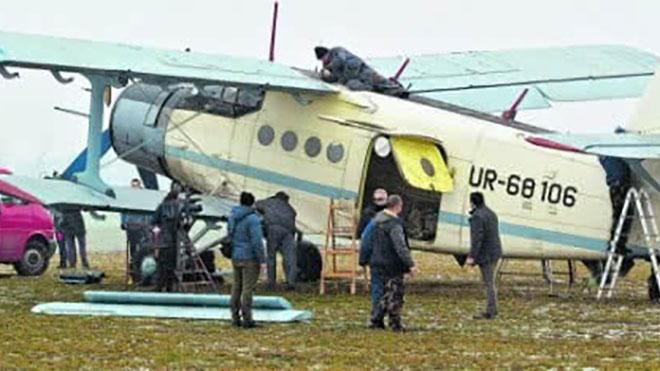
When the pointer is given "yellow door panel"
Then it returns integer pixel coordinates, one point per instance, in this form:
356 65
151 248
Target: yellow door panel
421 164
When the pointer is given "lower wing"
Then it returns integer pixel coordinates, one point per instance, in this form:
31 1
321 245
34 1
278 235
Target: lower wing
64 193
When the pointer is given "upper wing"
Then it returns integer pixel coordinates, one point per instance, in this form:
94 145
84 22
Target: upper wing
57 192
490 80
150 64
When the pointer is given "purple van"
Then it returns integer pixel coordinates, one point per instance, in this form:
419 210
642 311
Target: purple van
27 235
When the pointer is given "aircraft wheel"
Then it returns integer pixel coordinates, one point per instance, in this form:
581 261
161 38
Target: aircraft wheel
35 260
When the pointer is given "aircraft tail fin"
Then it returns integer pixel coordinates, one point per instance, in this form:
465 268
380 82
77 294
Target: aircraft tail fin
646 119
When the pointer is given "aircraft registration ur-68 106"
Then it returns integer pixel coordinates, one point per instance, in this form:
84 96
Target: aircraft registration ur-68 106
221 124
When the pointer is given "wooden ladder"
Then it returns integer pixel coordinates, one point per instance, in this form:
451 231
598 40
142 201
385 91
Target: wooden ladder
340 243
191 273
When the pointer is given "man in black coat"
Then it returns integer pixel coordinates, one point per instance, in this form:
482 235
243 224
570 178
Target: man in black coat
377 205
167 219
485 249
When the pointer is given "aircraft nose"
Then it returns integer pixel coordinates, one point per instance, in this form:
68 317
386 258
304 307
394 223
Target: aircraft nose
138 126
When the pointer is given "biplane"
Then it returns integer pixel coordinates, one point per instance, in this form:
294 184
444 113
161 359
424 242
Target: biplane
221 124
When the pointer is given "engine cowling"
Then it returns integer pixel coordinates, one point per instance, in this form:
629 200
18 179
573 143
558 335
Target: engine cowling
138 126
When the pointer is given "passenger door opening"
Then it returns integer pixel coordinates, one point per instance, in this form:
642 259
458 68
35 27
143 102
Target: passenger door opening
416 170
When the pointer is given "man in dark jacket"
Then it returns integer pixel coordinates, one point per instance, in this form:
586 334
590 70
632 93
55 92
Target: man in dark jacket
376 206
390 259
344 67
485 249
166 218
619 180
375 284
365 230
247 257
60 237
136 226
280 219
73 226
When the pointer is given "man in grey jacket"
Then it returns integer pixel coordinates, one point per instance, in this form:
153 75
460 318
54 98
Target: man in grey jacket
390 259
280 219
485 249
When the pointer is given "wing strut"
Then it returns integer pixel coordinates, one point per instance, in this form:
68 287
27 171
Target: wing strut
90 176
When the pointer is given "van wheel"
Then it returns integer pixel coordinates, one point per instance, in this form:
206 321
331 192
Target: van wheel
34 261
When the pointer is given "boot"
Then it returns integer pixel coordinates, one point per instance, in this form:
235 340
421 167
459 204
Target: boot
377 325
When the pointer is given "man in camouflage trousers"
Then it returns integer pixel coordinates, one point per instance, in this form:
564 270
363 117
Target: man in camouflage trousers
390 260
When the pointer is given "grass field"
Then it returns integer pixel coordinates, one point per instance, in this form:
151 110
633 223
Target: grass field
533 329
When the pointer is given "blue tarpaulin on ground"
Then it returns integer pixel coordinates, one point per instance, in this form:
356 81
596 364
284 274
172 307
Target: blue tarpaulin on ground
166 298
172 305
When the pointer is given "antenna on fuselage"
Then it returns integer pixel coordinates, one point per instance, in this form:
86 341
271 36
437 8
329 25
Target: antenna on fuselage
273 31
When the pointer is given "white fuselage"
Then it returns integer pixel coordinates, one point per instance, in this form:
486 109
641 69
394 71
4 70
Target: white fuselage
551 204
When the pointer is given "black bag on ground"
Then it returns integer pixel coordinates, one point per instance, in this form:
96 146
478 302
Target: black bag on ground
309 262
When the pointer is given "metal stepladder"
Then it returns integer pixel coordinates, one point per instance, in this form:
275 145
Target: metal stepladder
644 207
191 273
347 247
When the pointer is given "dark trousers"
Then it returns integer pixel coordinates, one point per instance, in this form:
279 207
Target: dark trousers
391 303
280 239
166 267
61 245
135 237
488 279
246 274
70 241
618 198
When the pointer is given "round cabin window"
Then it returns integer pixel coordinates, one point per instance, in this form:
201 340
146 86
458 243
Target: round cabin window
335 152
289 141
265 135
313 146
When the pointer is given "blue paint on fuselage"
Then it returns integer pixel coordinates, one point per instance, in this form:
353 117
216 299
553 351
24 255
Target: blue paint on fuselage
517 230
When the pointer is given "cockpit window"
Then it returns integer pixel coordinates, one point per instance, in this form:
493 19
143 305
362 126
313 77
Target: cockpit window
228 101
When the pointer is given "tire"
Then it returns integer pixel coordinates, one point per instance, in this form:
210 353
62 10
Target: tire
309 262
34 261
